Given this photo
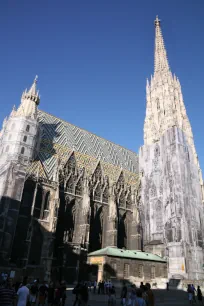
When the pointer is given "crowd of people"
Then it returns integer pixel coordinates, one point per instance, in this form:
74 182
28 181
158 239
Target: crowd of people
130 295
39 293
31 294
192 291
133 296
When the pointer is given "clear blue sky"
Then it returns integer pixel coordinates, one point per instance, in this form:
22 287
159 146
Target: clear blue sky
93 58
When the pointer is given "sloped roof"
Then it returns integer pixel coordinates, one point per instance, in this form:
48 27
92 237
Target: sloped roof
115 252
59 138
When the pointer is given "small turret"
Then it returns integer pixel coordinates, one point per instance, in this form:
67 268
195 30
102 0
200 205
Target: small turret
29 102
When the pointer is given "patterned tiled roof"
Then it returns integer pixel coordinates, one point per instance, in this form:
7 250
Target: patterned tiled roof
60 138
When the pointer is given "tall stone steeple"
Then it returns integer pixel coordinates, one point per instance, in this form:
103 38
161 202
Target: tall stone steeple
171 179
160 57
165 105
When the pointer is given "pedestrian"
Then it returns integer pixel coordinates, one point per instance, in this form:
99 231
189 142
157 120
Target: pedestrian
33 293
76 291
23 294
142 287
103 287
167 286
51 294
83 295
63 295
57 294
7 293
95 285
106 286
99 287
139 300
194 291
42 294
199 295
128 299
124 294
190 294
150 295
133 295
112 297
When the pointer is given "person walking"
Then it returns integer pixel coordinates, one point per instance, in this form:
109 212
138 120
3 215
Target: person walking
76 291
94 285
83 296
7 294
194 292
51 294
112 297
150 295
190 294
63 294
199 295
42 294
133 295
139 300
33 293
23 294
124 294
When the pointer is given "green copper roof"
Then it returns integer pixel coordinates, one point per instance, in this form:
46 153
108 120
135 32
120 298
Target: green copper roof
127 254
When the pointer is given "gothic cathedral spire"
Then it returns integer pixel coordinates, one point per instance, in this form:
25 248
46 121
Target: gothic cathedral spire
165 106
171 180
160 57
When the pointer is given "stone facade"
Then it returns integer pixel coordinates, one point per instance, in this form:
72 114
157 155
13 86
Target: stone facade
60 194
65 192
171 180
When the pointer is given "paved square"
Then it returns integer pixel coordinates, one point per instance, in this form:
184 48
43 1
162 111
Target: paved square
162 298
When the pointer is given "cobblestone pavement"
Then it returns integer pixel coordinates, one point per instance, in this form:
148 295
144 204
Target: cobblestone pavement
162 298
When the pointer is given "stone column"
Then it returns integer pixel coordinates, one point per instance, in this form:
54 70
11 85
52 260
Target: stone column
135 237
111 231
81 232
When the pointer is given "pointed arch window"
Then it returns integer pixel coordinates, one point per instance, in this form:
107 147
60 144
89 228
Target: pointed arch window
46 206
70 185
13 126
38 202
22 150
78 189
28 128
158 104
25 138
7 149
105 195
97 193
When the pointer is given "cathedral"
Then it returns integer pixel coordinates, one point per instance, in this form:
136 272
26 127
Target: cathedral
65 192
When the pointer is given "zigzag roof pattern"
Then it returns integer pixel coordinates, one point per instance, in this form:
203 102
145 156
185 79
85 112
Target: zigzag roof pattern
59 138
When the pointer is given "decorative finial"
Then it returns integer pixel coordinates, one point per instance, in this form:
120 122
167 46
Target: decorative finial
36 79
157 21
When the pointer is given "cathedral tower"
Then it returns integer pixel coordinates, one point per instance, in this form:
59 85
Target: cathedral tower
171 179
17 147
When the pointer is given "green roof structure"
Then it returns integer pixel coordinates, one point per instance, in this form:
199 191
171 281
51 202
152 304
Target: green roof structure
132 254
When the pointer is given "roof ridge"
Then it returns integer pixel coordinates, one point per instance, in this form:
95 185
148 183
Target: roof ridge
42 111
